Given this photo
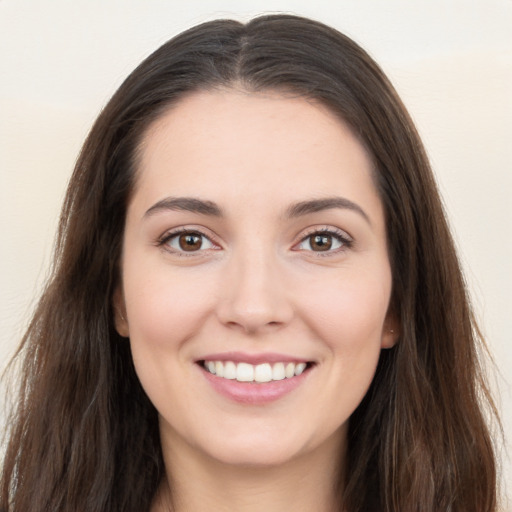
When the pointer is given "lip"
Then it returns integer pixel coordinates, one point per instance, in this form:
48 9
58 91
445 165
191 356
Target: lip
252 393
260 358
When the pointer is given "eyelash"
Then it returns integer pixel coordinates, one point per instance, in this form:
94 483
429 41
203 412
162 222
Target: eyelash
343 238
340 236
167 237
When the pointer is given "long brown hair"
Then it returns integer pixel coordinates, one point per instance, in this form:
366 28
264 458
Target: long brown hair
85 436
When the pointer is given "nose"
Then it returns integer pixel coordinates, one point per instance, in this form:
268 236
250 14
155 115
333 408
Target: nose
254 297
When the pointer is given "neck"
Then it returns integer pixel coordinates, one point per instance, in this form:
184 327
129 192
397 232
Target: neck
196 483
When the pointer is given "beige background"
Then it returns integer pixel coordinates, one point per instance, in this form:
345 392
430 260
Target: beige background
450 60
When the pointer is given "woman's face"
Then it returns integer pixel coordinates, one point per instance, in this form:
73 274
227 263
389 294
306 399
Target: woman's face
254 250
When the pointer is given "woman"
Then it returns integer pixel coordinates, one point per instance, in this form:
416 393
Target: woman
255 302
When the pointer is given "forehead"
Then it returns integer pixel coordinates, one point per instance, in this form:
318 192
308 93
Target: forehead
231 143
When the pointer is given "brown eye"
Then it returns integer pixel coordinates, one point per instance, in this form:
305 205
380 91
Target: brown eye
188 241
324 241
321 242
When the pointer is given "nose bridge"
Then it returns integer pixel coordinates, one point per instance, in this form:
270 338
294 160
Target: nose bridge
254 293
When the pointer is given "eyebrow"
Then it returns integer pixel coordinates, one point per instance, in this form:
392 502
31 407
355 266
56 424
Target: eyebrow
327 203
187 204
204 207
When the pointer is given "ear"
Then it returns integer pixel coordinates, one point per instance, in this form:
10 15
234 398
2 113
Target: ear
390 331
120 317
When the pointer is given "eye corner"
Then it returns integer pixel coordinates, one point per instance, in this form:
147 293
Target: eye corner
175 242
329 241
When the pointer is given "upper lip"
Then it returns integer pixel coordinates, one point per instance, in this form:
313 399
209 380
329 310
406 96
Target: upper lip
263 357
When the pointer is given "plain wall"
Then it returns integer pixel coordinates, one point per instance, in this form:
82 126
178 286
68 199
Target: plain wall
451 61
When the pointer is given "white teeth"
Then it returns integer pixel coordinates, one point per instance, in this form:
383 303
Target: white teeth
278 371
229 370
299 368
263 373
244 372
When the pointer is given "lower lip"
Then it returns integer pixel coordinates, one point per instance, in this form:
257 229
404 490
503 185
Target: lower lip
254 393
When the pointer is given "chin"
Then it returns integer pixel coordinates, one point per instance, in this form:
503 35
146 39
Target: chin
270 447
256 456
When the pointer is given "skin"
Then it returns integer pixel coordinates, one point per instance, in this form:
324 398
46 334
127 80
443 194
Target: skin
256 283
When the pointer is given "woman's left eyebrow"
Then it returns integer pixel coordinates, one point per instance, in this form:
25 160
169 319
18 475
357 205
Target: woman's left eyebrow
326 203
187 204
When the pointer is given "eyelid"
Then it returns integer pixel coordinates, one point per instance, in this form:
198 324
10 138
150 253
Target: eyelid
163 240
346 240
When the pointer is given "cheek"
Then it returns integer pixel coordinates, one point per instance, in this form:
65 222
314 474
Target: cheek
165 311
165 308
349 309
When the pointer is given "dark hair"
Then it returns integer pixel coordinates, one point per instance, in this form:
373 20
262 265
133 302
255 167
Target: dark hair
85 436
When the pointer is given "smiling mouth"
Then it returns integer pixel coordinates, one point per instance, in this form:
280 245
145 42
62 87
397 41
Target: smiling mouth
259 373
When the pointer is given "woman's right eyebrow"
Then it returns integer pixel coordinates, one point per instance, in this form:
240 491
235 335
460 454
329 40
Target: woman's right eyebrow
187 204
